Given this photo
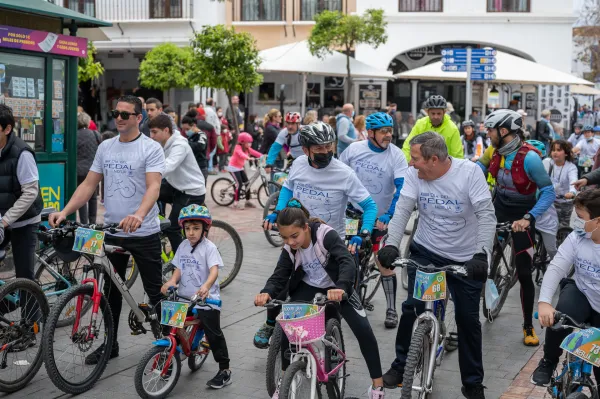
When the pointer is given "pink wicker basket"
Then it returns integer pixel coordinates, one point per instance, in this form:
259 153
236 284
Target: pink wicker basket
304 330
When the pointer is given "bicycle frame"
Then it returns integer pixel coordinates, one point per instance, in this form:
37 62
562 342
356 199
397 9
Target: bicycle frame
581 373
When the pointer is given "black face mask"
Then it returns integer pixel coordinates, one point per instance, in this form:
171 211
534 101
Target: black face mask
322 160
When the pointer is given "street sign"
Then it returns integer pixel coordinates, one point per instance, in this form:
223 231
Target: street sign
483 76
462 52
463 60
474 68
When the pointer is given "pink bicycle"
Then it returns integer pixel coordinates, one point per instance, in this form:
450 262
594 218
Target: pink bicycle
317 345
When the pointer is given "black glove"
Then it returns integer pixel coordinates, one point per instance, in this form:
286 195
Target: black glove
477 268
387 255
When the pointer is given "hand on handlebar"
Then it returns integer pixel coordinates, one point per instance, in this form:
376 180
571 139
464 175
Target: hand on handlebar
546 314
335 295
477 267
520 225
261 299
130 223
354 244
387 255
166 288
203 292
383 221
269 221
56 218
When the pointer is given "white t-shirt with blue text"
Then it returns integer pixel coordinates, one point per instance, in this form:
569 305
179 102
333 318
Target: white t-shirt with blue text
124 166
195 268
314 273
325 192
376 170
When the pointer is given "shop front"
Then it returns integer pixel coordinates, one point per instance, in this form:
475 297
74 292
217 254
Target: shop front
38 80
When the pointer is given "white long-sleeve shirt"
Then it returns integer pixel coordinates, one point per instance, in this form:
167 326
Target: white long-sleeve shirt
213 119
181 168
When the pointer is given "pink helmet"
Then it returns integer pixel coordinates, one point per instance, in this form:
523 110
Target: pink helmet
245 138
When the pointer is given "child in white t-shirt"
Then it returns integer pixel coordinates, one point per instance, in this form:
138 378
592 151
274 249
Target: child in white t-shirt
579 297
197 262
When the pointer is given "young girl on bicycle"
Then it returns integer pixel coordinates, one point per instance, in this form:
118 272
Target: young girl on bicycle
243 151
197 262
563 173
316 260
579 297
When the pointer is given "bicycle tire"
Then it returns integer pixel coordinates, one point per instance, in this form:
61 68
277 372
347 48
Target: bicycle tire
286 384
369 295
331 327
265 190
48 342
50 256
418 356
141 368
223 199
273 372
33 288
503 289
272 237
195 365
577 395
132 272
239 248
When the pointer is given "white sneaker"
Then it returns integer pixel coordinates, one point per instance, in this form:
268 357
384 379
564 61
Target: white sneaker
376 393
276 394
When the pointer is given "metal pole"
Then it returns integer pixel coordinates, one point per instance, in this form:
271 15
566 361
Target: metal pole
304 78
469 89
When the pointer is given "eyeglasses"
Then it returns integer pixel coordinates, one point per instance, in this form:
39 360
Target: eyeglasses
124 114
385 130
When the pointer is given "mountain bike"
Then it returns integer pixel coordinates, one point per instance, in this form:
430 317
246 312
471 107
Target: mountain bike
279 177
23 314
223 189
317 344
581 357
429 333
158 371
92 321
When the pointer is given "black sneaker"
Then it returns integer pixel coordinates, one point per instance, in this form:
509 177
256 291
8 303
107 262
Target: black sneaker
93 357
543 373
393 378
223 378
473 392
391 319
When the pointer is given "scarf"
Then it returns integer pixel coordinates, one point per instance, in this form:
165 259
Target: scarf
510 147
470 143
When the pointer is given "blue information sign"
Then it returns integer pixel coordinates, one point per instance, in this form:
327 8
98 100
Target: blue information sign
483 76
462 52
474 68
463 60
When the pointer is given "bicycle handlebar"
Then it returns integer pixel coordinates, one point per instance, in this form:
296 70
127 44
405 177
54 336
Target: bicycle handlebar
195 299
458 270
559 321
319 300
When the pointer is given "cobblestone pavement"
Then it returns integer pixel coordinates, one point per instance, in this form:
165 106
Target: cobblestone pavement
504 354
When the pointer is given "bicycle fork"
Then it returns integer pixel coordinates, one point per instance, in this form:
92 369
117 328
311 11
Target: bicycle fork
311 368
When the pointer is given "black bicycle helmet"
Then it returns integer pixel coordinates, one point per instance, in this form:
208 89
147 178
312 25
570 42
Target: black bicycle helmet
436 102
317 133
504 118
468 123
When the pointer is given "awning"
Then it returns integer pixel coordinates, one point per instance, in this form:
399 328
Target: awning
584 90
509 69
43 7
296 58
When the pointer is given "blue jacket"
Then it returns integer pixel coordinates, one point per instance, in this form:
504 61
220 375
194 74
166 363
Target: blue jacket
346 134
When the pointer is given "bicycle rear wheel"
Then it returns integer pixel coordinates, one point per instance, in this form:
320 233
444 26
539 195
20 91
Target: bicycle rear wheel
503 274
417 362
65 350
223 191
371 281
25 311
263 192
295 384
230 248
272 237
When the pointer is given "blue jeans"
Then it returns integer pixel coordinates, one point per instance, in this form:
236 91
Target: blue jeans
210 159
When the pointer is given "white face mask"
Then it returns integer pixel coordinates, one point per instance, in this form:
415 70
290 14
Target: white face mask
579 227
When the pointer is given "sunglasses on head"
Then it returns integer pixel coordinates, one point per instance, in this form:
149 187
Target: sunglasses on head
124 114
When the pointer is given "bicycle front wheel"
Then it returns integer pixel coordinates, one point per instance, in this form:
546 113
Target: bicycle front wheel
336 386
503 275
272 237
223 191
295 384
273 373
25 310
74 360
230 248
417 362
263 193
370 282
149 379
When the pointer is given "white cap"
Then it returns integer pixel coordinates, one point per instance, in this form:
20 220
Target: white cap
522 112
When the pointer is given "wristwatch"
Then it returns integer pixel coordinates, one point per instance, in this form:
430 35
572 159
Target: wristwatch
529 217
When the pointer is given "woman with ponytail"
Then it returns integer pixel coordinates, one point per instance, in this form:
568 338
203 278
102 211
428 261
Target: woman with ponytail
316 260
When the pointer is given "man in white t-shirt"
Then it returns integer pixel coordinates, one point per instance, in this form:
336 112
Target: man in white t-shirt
132 165
381 168
456 226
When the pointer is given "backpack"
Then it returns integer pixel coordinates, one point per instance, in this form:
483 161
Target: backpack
521 181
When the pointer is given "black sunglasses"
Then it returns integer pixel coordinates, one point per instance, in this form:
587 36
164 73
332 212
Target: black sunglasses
124 114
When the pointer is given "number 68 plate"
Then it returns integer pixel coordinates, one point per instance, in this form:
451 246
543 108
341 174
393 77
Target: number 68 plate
430 287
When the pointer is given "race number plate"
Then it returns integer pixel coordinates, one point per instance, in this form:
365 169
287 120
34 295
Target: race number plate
586 162
295 311
88 241
351 227
173 313
585 344
430 286
280 177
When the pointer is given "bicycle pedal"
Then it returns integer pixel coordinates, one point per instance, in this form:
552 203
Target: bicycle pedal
205 344
369 306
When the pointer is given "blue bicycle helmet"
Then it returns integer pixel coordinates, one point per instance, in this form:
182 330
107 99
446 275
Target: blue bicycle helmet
541 147
596 128
379 120
588 128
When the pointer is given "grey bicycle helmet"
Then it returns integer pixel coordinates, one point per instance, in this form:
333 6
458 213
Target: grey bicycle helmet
436 102
504 118
468 123
579 125
317 133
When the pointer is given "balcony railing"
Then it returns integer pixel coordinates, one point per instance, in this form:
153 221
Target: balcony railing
87 7
258 10
509 5
421 5
310 8
140 10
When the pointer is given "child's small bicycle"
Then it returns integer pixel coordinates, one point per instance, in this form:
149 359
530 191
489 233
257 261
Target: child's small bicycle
583 347
318 357
159 369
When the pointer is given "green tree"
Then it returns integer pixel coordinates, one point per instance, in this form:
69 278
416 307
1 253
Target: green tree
227 60
88 67
334 30
586 35
166 66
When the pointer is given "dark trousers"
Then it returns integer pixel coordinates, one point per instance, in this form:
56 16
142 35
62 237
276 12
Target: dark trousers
180 201
222 161
240 179
573 303
466 295
88 212
356 317
23 241
146 253
211 322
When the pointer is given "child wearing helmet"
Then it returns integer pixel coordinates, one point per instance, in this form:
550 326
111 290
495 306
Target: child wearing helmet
243 151
197 263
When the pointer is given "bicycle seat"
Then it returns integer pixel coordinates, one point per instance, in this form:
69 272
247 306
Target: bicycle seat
164 224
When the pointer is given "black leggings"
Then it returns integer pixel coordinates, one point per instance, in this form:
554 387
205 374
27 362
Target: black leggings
356 317
240 179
